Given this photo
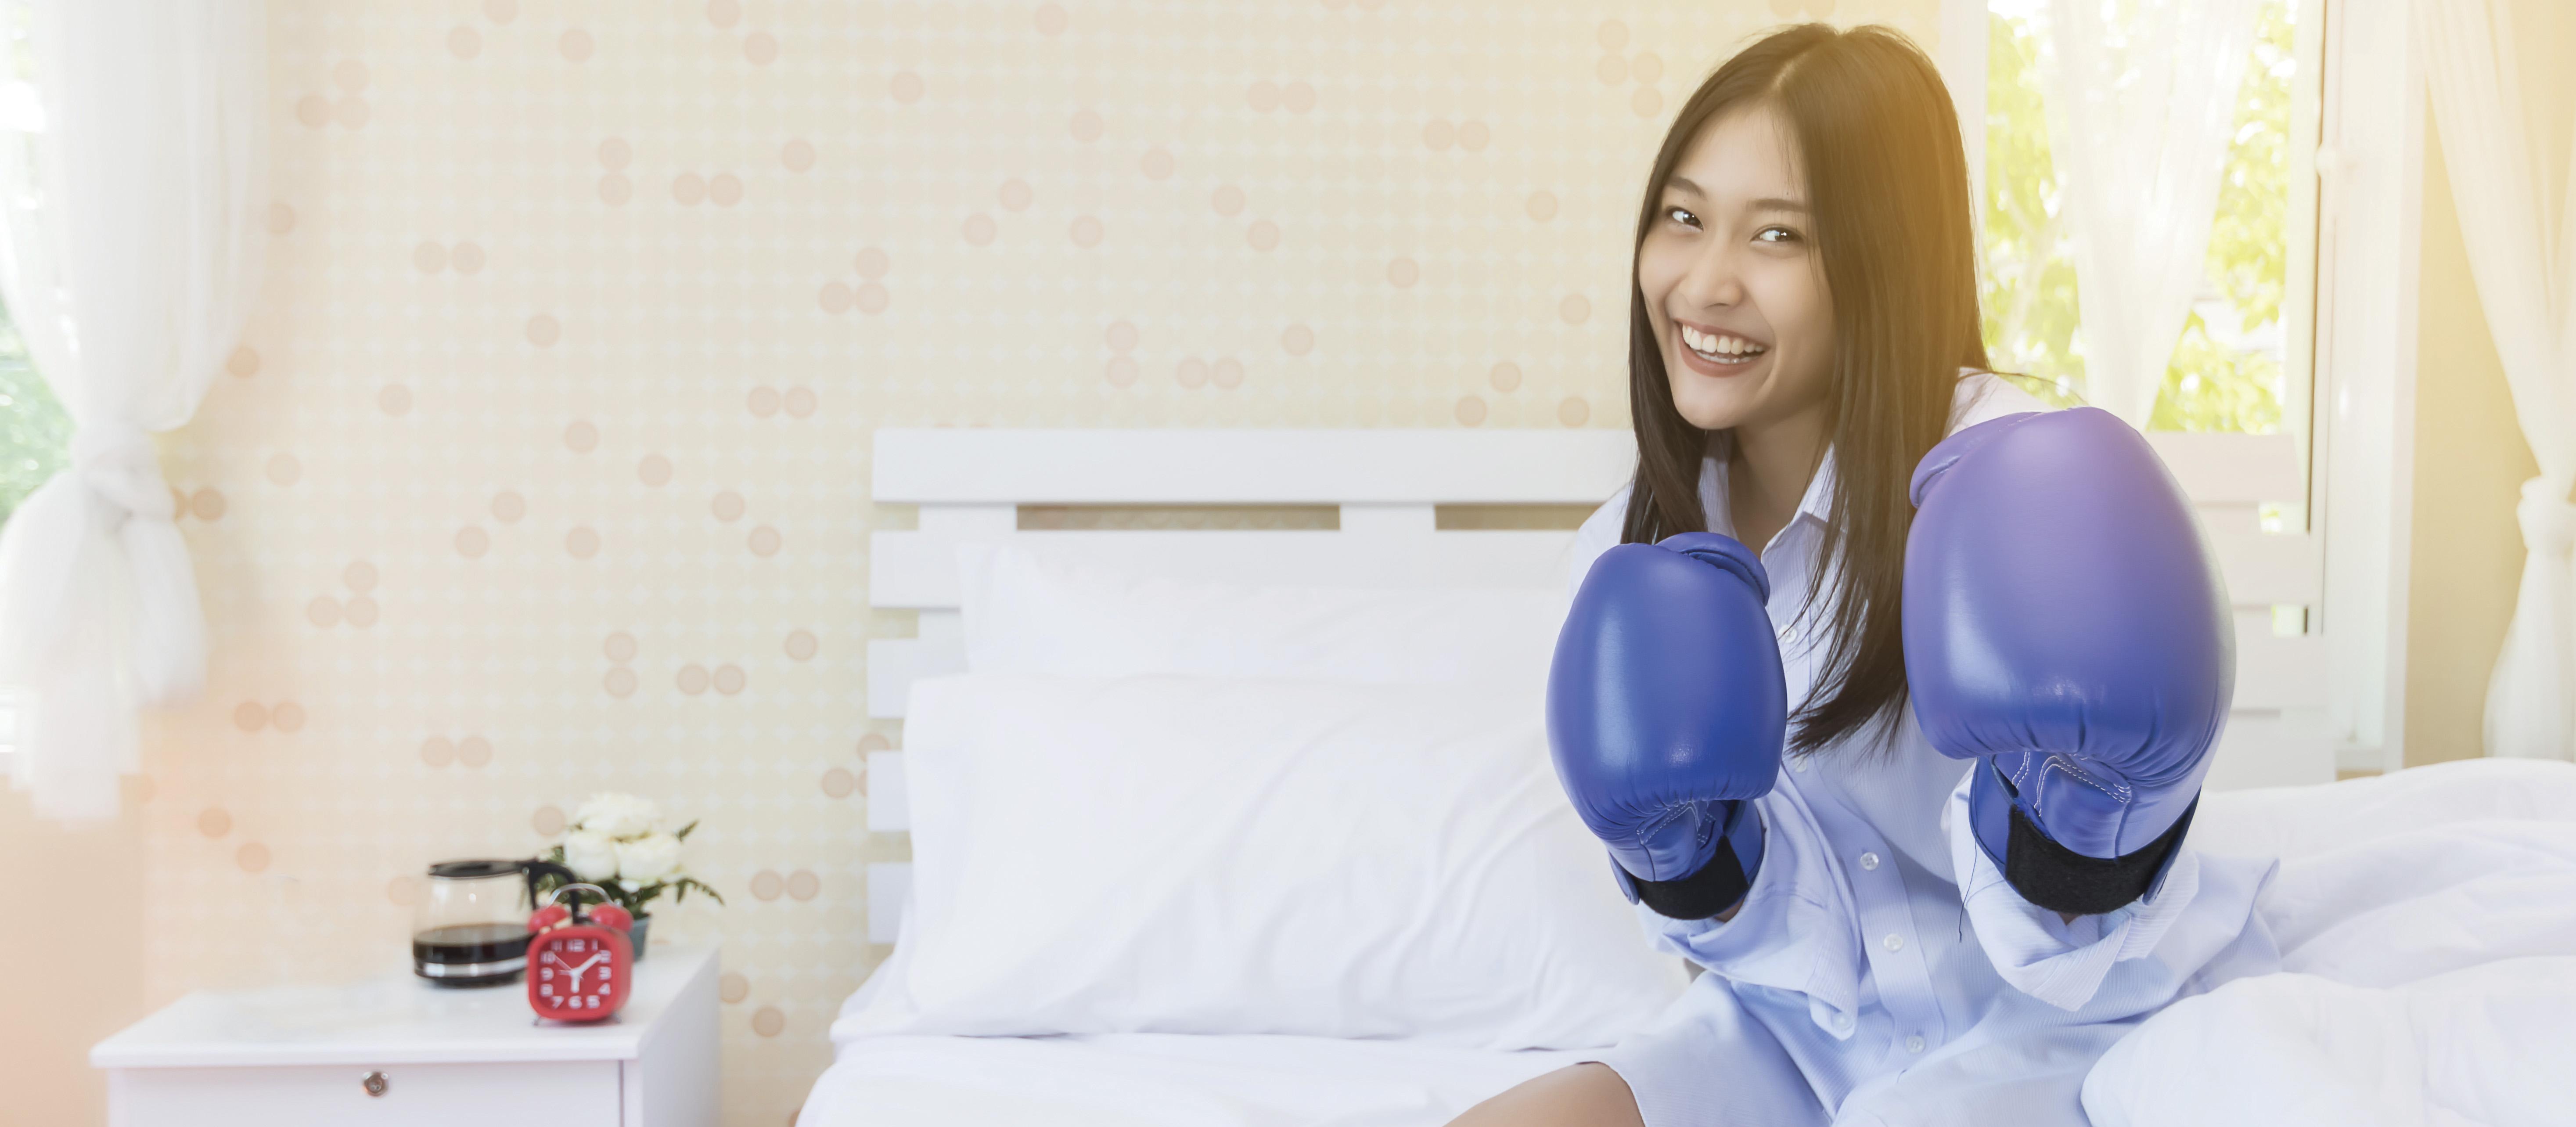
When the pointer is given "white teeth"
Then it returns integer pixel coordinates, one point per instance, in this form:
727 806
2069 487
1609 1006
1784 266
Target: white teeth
1719 345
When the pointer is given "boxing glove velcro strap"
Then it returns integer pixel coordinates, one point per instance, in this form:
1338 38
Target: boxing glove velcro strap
2062 880
1713 889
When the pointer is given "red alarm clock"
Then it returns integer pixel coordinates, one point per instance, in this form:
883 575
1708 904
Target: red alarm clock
580 967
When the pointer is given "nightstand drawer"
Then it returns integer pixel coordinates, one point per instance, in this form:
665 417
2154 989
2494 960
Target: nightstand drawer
559 1094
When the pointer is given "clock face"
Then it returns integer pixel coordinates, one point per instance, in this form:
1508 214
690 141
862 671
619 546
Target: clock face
575 975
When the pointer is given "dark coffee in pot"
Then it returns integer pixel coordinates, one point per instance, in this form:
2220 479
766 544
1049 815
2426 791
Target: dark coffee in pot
486 954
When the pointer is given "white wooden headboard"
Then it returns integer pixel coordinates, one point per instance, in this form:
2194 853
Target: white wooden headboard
1388 486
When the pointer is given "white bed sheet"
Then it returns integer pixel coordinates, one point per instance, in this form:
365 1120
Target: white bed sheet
2427 922
1155 1079
2427 927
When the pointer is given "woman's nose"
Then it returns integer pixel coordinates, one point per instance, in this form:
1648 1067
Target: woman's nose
1712 281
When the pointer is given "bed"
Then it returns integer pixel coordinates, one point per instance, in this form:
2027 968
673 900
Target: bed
1252 824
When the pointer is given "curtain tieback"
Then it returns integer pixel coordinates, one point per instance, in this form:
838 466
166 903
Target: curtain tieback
117 462
2548 520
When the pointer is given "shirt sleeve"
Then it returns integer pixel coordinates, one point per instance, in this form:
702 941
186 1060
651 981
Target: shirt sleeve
2064 963
1798 928
1985 396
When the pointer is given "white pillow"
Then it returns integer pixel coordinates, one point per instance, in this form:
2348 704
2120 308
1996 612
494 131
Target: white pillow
1252 855
1024 614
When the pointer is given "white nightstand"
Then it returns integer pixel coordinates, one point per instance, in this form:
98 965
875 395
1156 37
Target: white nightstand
396 1050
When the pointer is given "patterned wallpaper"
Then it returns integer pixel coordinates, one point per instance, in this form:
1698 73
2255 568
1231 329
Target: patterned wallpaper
542 468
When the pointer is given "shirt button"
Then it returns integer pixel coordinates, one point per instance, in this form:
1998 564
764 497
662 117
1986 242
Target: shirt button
1914 1044
1869 860
1842 1021
1893 942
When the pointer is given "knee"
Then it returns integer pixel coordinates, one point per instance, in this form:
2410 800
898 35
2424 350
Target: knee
1589 1094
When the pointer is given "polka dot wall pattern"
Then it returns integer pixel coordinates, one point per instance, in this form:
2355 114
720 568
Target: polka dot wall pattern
542 468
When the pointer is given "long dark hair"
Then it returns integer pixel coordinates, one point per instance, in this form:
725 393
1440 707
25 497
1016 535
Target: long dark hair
1887 184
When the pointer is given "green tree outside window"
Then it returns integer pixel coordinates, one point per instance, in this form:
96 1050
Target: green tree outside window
35 434
2223 377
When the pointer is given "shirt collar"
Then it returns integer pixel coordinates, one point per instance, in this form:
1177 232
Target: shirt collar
1819 498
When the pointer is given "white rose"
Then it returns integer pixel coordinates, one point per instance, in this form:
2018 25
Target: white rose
618 816
648 859
592 856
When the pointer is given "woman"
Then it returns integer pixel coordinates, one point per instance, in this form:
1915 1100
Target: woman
1804 329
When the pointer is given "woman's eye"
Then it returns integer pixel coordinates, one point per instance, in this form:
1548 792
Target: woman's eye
1786 234
1688 217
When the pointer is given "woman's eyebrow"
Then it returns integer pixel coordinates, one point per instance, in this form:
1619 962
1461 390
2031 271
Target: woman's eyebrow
1686 185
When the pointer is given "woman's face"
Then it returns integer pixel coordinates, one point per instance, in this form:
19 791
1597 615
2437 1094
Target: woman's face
1729 266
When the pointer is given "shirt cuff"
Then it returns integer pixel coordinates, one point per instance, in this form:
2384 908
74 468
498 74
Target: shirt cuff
2058 962
1796 930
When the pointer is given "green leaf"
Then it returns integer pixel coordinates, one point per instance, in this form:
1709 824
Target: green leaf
684 830
35 431
2026 276
692 882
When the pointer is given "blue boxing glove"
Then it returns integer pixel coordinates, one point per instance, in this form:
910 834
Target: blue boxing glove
1665 713
2066 628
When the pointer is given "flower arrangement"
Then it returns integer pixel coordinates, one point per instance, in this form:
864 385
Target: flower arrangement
616 841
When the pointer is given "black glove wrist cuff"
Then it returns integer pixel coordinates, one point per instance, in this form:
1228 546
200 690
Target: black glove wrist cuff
2062 880
1713 889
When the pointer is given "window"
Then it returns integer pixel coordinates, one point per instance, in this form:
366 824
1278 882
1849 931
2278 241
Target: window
2229 370
34 431
35 434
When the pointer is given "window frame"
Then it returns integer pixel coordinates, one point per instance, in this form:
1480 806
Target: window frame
2368 265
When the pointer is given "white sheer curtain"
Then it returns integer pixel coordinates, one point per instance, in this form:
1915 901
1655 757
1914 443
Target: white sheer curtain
132 184
2524 259
2141 109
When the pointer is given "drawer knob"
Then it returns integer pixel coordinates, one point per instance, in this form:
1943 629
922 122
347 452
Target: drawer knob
374 1083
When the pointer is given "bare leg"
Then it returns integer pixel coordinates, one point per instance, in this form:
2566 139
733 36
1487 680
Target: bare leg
1590 1094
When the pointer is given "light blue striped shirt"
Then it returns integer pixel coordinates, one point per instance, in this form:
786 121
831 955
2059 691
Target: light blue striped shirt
1863 981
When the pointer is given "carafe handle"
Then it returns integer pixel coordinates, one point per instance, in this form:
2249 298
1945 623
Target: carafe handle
536 868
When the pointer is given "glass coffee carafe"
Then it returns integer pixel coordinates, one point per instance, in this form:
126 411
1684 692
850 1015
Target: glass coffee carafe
471 925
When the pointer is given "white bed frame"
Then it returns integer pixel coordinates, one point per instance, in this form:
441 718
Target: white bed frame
1389 485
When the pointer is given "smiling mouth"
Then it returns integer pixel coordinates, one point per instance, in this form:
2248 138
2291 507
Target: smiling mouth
1731 352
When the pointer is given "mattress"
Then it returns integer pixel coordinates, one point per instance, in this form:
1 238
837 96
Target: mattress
1130 1079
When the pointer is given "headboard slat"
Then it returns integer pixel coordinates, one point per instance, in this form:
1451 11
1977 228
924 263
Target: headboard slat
977 465
919 569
